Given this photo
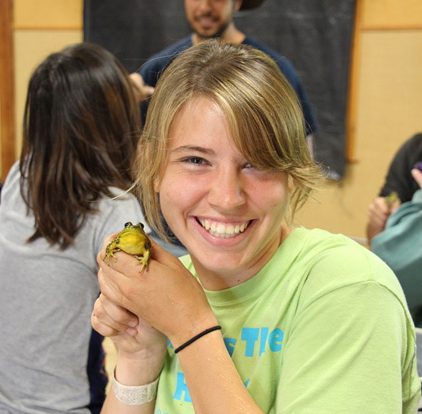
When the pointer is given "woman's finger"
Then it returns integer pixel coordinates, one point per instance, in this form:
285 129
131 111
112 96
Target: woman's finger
101 327
104 318
118 287
121 317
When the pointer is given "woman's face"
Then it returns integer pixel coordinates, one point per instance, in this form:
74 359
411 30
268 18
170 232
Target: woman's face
227 213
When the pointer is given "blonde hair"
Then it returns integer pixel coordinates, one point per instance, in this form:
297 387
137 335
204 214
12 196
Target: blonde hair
262 110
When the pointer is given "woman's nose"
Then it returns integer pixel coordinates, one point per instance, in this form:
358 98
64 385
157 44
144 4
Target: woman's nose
226 191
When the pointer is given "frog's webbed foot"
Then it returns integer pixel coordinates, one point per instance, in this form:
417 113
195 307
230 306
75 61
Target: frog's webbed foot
144 259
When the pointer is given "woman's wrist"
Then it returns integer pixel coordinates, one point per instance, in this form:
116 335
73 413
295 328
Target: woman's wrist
186 333
134 394
142 368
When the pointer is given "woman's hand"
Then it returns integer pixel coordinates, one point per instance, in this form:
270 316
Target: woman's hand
164 295
130 335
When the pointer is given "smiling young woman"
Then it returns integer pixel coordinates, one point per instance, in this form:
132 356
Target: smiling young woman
261 316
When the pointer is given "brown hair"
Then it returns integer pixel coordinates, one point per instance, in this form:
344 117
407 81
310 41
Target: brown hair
81 127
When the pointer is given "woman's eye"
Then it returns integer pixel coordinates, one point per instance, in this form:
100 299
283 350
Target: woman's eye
194 160
248 165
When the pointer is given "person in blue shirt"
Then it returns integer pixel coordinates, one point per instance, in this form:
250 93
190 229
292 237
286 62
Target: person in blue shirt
212 19
398 181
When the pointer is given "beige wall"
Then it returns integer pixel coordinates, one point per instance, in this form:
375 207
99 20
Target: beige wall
41 27
387 93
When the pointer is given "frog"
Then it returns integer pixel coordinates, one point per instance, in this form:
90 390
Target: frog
132 240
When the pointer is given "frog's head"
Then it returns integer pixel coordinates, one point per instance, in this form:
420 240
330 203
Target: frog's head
129 225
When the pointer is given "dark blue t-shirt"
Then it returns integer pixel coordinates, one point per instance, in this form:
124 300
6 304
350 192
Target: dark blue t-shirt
152 69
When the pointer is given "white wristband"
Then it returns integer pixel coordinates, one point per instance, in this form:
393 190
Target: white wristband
134 394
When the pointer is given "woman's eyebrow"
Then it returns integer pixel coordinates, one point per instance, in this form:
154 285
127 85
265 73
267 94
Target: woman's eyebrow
195 148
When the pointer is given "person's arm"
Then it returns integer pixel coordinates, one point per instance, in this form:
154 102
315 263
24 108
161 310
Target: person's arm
171 300
378 212
140 353
142 91
380 209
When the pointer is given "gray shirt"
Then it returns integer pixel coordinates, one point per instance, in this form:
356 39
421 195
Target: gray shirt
46 299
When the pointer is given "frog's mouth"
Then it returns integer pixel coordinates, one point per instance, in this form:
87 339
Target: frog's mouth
223 230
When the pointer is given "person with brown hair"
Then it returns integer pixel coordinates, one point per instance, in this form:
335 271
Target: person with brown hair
59 201
261 316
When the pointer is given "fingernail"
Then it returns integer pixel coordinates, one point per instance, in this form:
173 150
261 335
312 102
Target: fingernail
133 323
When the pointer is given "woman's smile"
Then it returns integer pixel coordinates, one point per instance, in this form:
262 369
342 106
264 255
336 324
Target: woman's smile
223 230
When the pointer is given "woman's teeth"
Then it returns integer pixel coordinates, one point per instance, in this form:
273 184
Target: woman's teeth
223 230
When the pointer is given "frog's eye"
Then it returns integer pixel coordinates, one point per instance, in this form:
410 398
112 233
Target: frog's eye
128 224
141 224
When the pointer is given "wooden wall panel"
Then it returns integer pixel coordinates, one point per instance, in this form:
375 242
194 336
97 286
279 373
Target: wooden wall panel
7 133
48 14
391 14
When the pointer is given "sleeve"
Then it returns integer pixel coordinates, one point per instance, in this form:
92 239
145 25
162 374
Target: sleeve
348 353
399 178
290 73
150 72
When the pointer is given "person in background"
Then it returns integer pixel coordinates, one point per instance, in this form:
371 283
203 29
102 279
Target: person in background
67 191
399 186
215 19
398 236
261 316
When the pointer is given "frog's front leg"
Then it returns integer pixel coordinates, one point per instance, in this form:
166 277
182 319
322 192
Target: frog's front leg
110 250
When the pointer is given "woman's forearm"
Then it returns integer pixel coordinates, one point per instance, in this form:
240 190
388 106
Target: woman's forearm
213 381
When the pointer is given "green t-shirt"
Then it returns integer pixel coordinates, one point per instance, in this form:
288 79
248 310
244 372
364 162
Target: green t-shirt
322 328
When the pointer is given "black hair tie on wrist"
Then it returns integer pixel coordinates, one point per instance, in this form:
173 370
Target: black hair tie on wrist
196 337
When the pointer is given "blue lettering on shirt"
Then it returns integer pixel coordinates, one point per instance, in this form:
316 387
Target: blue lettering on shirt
250 336
230 345
257 339
182 391
276 339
